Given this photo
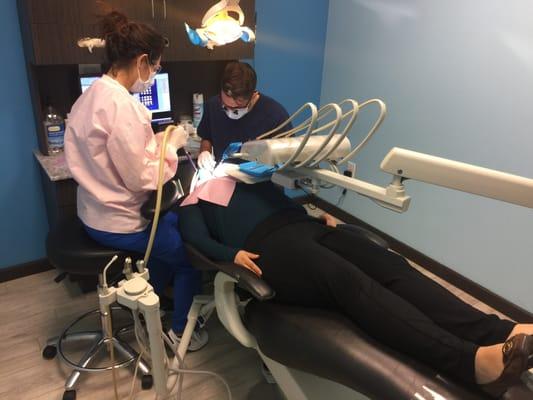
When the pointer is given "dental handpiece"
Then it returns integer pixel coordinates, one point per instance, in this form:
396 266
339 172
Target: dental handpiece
183 151
189 157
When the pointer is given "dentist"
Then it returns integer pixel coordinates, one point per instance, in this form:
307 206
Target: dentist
238 114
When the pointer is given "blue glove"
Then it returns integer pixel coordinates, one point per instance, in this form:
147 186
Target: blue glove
256 169
232 148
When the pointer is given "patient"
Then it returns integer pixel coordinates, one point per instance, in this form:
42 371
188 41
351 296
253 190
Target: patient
310 262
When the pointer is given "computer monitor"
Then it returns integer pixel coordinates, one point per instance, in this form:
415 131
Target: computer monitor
156 98
87 81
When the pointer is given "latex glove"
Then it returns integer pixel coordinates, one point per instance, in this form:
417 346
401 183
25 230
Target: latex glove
206 160
178 137
204 175
245 259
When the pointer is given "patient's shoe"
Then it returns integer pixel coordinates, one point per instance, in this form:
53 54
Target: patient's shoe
199 339
517 358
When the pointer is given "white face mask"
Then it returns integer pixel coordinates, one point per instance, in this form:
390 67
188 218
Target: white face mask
140 86
236 113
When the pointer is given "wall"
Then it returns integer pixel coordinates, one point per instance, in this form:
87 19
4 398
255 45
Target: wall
290 49
24 223
457 78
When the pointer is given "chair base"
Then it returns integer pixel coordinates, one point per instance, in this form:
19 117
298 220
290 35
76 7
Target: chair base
98 340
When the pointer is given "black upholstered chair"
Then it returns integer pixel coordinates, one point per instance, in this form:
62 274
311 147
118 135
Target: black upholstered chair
70 249
324 350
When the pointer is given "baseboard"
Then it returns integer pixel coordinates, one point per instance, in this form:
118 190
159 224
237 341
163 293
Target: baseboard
479 292
26 269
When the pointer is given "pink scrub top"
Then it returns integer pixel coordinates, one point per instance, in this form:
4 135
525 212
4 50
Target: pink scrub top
113 154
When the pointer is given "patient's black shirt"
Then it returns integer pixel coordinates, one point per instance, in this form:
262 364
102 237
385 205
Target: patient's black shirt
220 232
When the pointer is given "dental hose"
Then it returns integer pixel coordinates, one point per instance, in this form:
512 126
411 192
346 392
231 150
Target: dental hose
155 221
180 370
159 195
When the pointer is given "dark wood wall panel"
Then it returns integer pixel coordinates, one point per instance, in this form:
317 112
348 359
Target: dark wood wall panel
57 25
58 85
53 11
191 77
51 29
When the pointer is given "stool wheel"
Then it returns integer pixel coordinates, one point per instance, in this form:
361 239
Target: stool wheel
69 395
147 382
49 352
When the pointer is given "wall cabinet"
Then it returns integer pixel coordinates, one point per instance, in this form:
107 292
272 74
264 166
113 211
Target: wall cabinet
52 28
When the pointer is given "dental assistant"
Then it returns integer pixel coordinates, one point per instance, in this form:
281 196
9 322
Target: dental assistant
113 155
238 114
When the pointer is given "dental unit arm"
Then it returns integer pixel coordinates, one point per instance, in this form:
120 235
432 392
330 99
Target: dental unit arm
297 159
460 176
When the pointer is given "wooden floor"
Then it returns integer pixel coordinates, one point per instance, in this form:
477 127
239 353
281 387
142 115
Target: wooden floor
34 308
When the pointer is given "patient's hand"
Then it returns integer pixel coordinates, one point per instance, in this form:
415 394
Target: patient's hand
329 219
245 259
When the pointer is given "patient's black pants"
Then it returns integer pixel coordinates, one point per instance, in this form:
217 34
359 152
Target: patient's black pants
310 264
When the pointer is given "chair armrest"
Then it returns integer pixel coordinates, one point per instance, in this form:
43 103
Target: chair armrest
248 281
363 232
172 193
245 278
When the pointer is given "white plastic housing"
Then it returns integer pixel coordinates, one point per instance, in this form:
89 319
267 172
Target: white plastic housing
275 151
459 176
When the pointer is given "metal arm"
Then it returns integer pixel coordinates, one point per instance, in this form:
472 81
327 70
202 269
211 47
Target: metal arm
298 160
459 176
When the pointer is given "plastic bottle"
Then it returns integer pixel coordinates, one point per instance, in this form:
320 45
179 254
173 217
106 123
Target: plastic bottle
186 123
197 108
54 127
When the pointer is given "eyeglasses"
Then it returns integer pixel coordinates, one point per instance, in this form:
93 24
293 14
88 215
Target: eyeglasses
241 102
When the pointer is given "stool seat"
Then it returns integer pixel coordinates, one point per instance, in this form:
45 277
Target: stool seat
70 249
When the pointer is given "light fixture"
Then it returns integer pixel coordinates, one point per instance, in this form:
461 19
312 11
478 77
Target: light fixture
90 43
219 27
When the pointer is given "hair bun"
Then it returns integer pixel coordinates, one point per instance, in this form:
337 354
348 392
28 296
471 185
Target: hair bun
115 22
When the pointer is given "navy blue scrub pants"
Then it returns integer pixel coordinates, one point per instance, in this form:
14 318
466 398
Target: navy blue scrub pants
168 262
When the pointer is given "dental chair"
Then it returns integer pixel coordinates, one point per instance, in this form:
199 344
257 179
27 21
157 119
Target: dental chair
316 354
70 250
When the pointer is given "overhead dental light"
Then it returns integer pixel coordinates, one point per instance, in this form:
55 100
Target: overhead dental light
219 27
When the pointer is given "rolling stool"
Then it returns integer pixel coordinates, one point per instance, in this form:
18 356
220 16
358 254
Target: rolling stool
70 249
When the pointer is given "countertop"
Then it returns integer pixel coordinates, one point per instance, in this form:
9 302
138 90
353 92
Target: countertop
56 167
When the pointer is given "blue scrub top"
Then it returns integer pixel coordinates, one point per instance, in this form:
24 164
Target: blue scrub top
220 130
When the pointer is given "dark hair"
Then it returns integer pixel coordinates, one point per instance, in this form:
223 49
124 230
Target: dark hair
238 80
125 40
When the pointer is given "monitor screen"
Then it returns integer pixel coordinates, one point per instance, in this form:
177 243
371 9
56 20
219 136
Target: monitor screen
156 98
86 81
